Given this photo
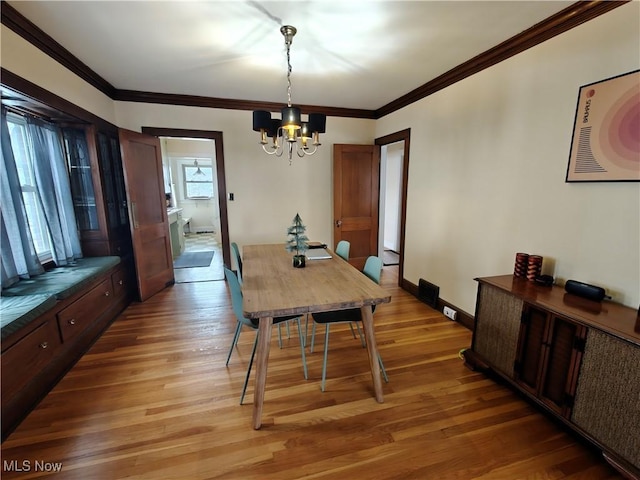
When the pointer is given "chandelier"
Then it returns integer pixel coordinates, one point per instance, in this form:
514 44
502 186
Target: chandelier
303 137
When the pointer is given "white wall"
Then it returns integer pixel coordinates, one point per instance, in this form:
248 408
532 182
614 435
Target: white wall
27 61
392 191
268 191
488 161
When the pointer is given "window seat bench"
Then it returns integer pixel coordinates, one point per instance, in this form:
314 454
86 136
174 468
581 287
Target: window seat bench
48 323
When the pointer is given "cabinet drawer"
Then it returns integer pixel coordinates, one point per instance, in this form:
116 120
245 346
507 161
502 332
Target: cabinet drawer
84 311
28 357
120 286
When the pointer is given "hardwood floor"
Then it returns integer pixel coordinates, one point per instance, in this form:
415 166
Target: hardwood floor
153 399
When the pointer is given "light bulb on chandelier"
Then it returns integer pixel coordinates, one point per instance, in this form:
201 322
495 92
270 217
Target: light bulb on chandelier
304 137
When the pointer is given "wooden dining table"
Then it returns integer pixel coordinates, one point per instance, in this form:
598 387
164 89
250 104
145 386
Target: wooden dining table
272 287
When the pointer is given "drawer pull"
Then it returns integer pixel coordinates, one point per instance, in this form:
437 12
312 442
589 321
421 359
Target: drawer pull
72 321
44 345
106 294
120 282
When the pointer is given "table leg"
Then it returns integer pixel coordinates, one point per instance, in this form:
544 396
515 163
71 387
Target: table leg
370 336
264 343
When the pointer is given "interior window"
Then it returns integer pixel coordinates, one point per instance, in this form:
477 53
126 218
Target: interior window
198 180
23 154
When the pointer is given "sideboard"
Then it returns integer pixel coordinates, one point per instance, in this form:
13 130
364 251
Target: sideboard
578 359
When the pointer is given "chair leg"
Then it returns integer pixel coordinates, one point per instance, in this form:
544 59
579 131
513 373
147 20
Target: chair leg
384 372
364 345
235 341
326 351
304 357
279 335
246 379
352 330
306 329
313 336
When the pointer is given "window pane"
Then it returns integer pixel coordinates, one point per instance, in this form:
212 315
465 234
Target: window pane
198 181
199 190
22 154
198 174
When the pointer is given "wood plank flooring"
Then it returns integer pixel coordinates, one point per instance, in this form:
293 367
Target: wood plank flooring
153 399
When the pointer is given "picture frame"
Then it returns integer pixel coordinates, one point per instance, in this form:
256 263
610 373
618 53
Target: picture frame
605 145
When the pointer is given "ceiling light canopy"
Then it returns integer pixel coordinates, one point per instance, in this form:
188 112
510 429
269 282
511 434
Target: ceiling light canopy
303 136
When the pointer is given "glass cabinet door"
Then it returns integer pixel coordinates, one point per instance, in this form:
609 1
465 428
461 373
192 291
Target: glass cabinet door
82 188
114 188
108 174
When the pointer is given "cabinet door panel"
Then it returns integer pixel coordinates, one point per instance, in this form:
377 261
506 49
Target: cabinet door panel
607 403
561 362
531 349
497 326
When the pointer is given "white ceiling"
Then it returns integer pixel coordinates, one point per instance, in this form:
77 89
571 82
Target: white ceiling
351 54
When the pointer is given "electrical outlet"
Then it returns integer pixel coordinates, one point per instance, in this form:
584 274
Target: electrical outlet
450 312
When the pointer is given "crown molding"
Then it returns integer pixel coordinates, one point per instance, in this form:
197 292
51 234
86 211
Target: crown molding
225 103
572 16
12 19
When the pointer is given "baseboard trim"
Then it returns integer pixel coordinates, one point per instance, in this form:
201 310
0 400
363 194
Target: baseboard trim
465 319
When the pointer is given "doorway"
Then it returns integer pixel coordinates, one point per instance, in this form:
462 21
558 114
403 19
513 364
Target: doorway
391 160
394 176
196 187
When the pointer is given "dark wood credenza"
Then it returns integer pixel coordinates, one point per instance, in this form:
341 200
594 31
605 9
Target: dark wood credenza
578 359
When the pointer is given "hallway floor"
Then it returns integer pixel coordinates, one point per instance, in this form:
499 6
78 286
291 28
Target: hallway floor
198 242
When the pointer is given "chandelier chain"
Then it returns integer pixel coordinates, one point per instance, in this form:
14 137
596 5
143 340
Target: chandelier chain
288 74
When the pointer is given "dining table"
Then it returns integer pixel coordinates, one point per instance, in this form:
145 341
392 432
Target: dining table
272 287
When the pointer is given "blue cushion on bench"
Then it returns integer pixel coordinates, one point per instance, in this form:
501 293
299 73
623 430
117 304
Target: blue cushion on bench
63 281
16 312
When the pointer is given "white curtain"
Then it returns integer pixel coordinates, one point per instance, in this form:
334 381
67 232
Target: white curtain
19 258
54 191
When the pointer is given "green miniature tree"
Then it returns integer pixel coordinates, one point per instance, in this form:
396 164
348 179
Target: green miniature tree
297 239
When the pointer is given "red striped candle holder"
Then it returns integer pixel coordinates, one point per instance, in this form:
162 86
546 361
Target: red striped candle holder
520 267
534 267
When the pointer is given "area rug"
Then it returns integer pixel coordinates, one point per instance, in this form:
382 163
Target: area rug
193 259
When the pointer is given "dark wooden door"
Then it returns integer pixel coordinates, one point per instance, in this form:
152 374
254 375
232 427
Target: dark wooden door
356 192
142 162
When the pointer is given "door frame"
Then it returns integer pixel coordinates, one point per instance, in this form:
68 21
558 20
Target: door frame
402 135
220 170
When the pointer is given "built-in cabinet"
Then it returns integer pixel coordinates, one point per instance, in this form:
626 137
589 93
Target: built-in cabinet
35 357
576 358
98 190
39 353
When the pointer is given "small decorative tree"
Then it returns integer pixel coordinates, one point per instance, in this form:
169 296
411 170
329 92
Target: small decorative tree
297 241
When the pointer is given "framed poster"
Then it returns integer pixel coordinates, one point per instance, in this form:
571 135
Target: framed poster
605 146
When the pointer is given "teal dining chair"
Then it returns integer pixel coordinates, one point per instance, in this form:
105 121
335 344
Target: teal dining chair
373 270
236 254
342 249
236 301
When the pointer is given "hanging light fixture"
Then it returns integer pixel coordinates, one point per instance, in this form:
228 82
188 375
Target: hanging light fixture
302 136
198 172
